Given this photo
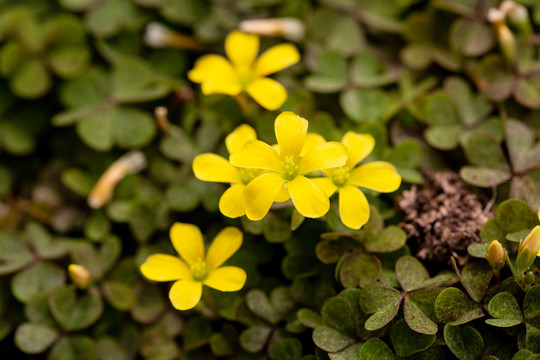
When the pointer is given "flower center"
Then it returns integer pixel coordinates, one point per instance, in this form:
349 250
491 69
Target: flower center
246 175
199 270
289 168
340 176
245 75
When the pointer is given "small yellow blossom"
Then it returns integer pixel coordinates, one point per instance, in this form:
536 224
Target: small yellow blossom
79 275
286 169
244 72
196 269
529 249
495 255
378 175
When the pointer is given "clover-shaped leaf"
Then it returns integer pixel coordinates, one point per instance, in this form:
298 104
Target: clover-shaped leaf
339 314
363 105
476 277
410 273
34 338
14 255
74 347
272 310
380 300
330 339
73 312
376 349
39 279
418 311
453 307
406 341
531 304
330 75
389 239
522 150
505 310
97 262
359 268
532 337
466 343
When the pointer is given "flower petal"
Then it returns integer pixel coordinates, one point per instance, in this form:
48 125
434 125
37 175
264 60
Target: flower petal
378 175
188 241
228 86
225 244
291 131
231 203
257 154
283 194
276 58
308 198
311 141
227 278
212 167
260 193
185 294
358 147
269 93
242 48
211 67
326 185
163 267
353 207
236 140
329 155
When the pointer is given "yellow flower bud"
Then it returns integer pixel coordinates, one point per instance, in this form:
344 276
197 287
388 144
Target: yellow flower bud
79 275
529 249
495 255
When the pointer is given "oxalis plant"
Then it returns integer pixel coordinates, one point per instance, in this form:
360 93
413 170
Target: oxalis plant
281 179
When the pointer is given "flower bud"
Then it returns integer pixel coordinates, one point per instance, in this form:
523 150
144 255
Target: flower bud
529 249
79 275
157 35
495 255
289 28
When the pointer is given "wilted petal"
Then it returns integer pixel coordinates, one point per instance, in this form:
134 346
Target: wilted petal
378 175
212 167
353 207
269 93
231 203
257 154
329 155
188 241
185 294
358 147
236 140
276 58
260 193
227 278
163 267
225 244
242 48
291 131
308 198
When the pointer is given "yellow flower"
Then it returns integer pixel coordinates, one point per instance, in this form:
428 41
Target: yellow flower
378 175
495 255
217 75
212 167
286 169
529 249
196 269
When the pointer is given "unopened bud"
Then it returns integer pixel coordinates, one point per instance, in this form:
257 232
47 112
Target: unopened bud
289 28
507 42
495 255
130 163
157 35
79 275
518 16
529 249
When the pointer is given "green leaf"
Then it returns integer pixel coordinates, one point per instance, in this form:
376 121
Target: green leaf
505 309
531 304
418 311
31 80
331 73
96 130
439 110
527 93
254 338
520 142
34 338
309 318
78 181
406 341
453 307
483 149
196 333
74 347
330 339
376 349
392 238
380 300
472 38
182 197
471 109
73 312
287 349
149 303
410 273
445 137
118 294
532 338
476 277
132 128
484 177
259 304
14 255
368 72
15 138
359 268
40 279
69 61
514 215
466 343
338 314
364 105
44 244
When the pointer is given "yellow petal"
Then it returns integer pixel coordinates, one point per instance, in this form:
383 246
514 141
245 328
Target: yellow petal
308 198
276 58
242 48
353 207
283 194
185 294
257 154
267 92
162 267
227 86
231 203
378 175
188 241
291 132
358 147
260 193
236 140
329 155
311 141
211 67
227 278
225 244
326 185
212 167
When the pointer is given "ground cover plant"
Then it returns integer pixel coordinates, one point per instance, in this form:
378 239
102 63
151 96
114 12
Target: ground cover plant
269 179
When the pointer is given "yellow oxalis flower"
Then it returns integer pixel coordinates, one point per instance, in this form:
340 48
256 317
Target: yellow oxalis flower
286 169
212 167
244 71
378 175
196 269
